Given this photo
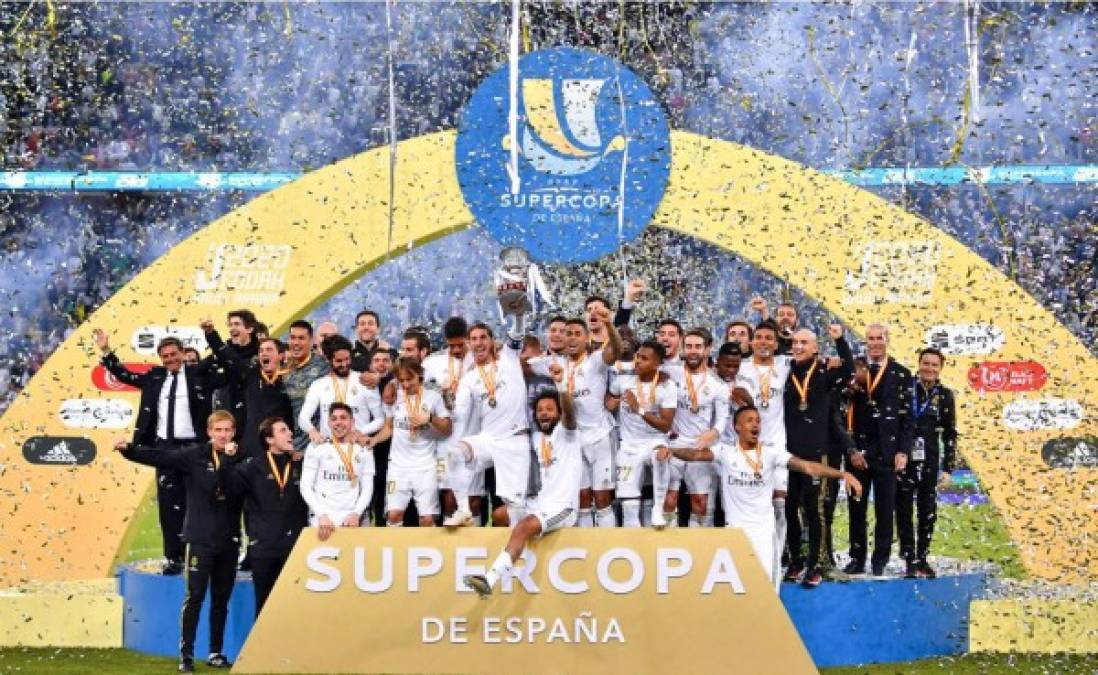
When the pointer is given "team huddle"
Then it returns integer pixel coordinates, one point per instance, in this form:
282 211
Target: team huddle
587 425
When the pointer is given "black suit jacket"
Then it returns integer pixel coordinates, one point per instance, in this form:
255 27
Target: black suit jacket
883 430
201 381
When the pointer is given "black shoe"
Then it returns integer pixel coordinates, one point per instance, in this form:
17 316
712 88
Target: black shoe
172 568
925 571
186 664
854 567
812 579
878 570
218 660
911 571
793 573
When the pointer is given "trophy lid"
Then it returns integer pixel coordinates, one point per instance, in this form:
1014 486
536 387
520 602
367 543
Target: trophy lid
514 256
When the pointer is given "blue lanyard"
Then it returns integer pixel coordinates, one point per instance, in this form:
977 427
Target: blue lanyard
915 409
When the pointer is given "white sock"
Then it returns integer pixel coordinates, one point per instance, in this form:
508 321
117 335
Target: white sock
605 517
671 518
502 565
515 513
710 506
696 520
399 523
630 513
585 518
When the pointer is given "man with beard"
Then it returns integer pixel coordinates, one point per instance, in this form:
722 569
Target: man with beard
595 303
669 334
367 329
883 433
305 368
560 463
340 385
748 471
554 336
741 333
786 320
262 383
586 381
492 394
702 414
337 480
808 424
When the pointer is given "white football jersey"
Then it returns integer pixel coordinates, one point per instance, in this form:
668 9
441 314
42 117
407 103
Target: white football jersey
745 497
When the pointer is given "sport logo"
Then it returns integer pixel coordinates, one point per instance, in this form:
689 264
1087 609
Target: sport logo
995 376
96 413
105 381
587 166
58 450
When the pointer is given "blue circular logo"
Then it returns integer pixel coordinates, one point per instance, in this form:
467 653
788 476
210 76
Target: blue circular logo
583 166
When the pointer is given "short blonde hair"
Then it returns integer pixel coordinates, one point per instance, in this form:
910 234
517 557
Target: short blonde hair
220 416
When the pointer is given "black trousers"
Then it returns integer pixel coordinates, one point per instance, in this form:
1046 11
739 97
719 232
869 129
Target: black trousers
265 573
803 493
210 567
919 488
880 480
171 504
829 496
381 473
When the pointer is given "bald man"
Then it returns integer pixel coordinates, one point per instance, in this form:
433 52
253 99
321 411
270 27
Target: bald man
808 428
324 330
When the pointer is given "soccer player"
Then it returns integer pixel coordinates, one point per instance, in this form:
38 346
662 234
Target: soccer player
211 530
341 385
742 334
647 410
935 419
669 334
701 416
416 422
748 471
560 462
276 511
585 378
306 367
337 480
554 336
493 393
442 372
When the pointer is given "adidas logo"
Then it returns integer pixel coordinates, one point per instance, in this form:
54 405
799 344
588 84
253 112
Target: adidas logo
59 454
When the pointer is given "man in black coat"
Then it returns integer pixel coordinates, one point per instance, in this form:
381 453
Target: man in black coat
275 509
211 529
175 402
883 433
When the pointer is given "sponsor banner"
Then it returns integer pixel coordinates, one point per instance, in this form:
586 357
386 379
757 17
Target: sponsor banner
145 338
105 381
58 450
242 274
1071 452
1004 376
894 271
96 413
1042 413
623 600
966 339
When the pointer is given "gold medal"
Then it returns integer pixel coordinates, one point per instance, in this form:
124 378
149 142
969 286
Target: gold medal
489 384
803 406
280 479
754 462
492 402
802 387
340 393
692 390
347 457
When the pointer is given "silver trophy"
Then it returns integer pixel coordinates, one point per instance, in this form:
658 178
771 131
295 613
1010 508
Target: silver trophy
518 283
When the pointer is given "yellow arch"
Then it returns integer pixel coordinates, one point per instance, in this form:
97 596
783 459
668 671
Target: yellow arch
827 237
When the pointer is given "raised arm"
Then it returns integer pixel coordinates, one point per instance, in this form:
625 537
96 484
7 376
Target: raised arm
111 363
611 351
235 366
567 403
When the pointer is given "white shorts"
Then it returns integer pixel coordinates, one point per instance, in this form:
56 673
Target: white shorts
598 464
476 489
338 518
781 478
510 455
699 477
632 460
403 485
762 542
554 516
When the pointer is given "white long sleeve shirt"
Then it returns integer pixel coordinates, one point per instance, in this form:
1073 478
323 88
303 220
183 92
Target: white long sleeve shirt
364 401
329 488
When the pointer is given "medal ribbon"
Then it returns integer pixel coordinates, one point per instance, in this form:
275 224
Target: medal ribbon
216 459
651 393
573 366
345 455
755 463
546 450
412 404
691 388
271 379
489 382
282 478
455 373
764 384
340 394
802 390
871 385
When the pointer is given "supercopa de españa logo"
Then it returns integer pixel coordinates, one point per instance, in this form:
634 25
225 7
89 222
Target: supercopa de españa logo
585 128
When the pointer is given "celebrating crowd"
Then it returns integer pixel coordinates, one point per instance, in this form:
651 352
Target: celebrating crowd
587 425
